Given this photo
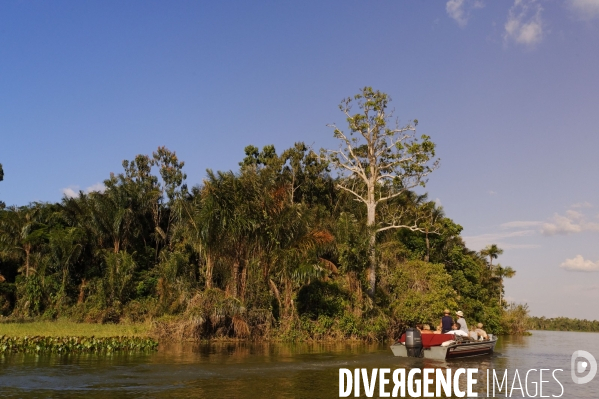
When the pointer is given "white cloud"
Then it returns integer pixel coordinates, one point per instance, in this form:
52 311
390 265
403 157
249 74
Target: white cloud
455 9
482 240
99 187
584 204
573 222
521 224
73 191
511 233
524 24
438 202
579 264
586 9
459 10
491 192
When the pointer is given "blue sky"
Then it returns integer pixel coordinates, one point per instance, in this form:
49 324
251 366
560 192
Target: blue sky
509 91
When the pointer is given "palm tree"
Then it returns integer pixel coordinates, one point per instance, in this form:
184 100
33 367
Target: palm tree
65 248
230 223
78 212
296 240
493 252
194 228
433 216
209 221
111 217
500 273
20 231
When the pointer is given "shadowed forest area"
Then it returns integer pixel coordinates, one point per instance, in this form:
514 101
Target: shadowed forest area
295 244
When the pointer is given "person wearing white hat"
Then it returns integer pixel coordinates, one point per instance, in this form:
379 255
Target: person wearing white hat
462 322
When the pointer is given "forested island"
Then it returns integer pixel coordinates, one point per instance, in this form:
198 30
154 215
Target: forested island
295 244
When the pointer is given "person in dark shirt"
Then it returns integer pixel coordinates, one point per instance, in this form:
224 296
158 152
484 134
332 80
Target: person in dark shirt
446 322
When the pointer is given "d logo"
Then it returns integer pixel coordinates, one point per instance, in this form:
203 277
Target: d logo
581 367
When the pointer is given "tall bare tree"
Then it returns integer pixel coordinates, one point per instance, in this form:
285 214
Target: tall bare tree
381 160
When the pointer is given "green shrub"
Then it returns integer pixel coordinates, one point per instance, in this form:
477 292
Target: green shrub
320 298
514 320
349 325
419 292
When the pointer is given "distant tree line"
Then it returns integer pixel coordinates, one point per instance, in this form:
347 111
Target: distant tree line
280 247
563 324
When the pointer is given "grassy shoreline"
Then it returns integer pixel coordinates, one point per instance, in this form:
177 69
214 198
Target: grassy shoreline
18 329
164 330
65 336
67 328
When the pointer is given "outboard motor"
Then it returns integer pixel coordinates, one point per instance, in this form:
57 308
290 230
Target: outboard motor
413 342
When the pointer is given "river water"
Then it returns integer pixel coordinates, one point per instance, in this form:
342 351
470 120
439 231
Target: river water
246 370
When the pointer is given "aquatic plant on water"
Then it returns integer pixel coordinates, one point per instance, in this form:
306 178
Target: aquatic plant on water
40 344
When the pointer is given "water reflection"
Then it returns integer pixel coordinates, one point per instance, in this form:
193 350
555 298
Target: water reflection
249 370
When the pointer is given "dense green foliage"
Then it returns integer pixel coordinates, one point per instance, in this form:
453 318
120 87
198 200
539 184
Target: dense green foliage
563 324
75 344
276 248
515 319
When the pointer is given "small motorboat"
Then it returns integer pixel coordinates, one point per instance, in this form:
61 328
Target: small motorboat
440 346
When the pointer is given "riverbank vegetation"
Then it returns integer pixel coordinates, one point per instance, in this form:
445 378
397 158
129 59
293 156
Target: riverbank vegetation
514 320
73 344
563 324
65 328
297 244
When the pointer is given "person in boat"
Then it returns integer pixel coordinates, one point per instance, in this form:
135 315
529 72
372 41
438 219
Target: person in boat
426 329
473 334
457 331
439 330
462 322
482 334
446 321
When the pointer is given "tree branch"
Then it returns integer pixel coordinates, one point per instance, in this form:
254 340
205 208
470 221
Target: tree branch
401 226
353 192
